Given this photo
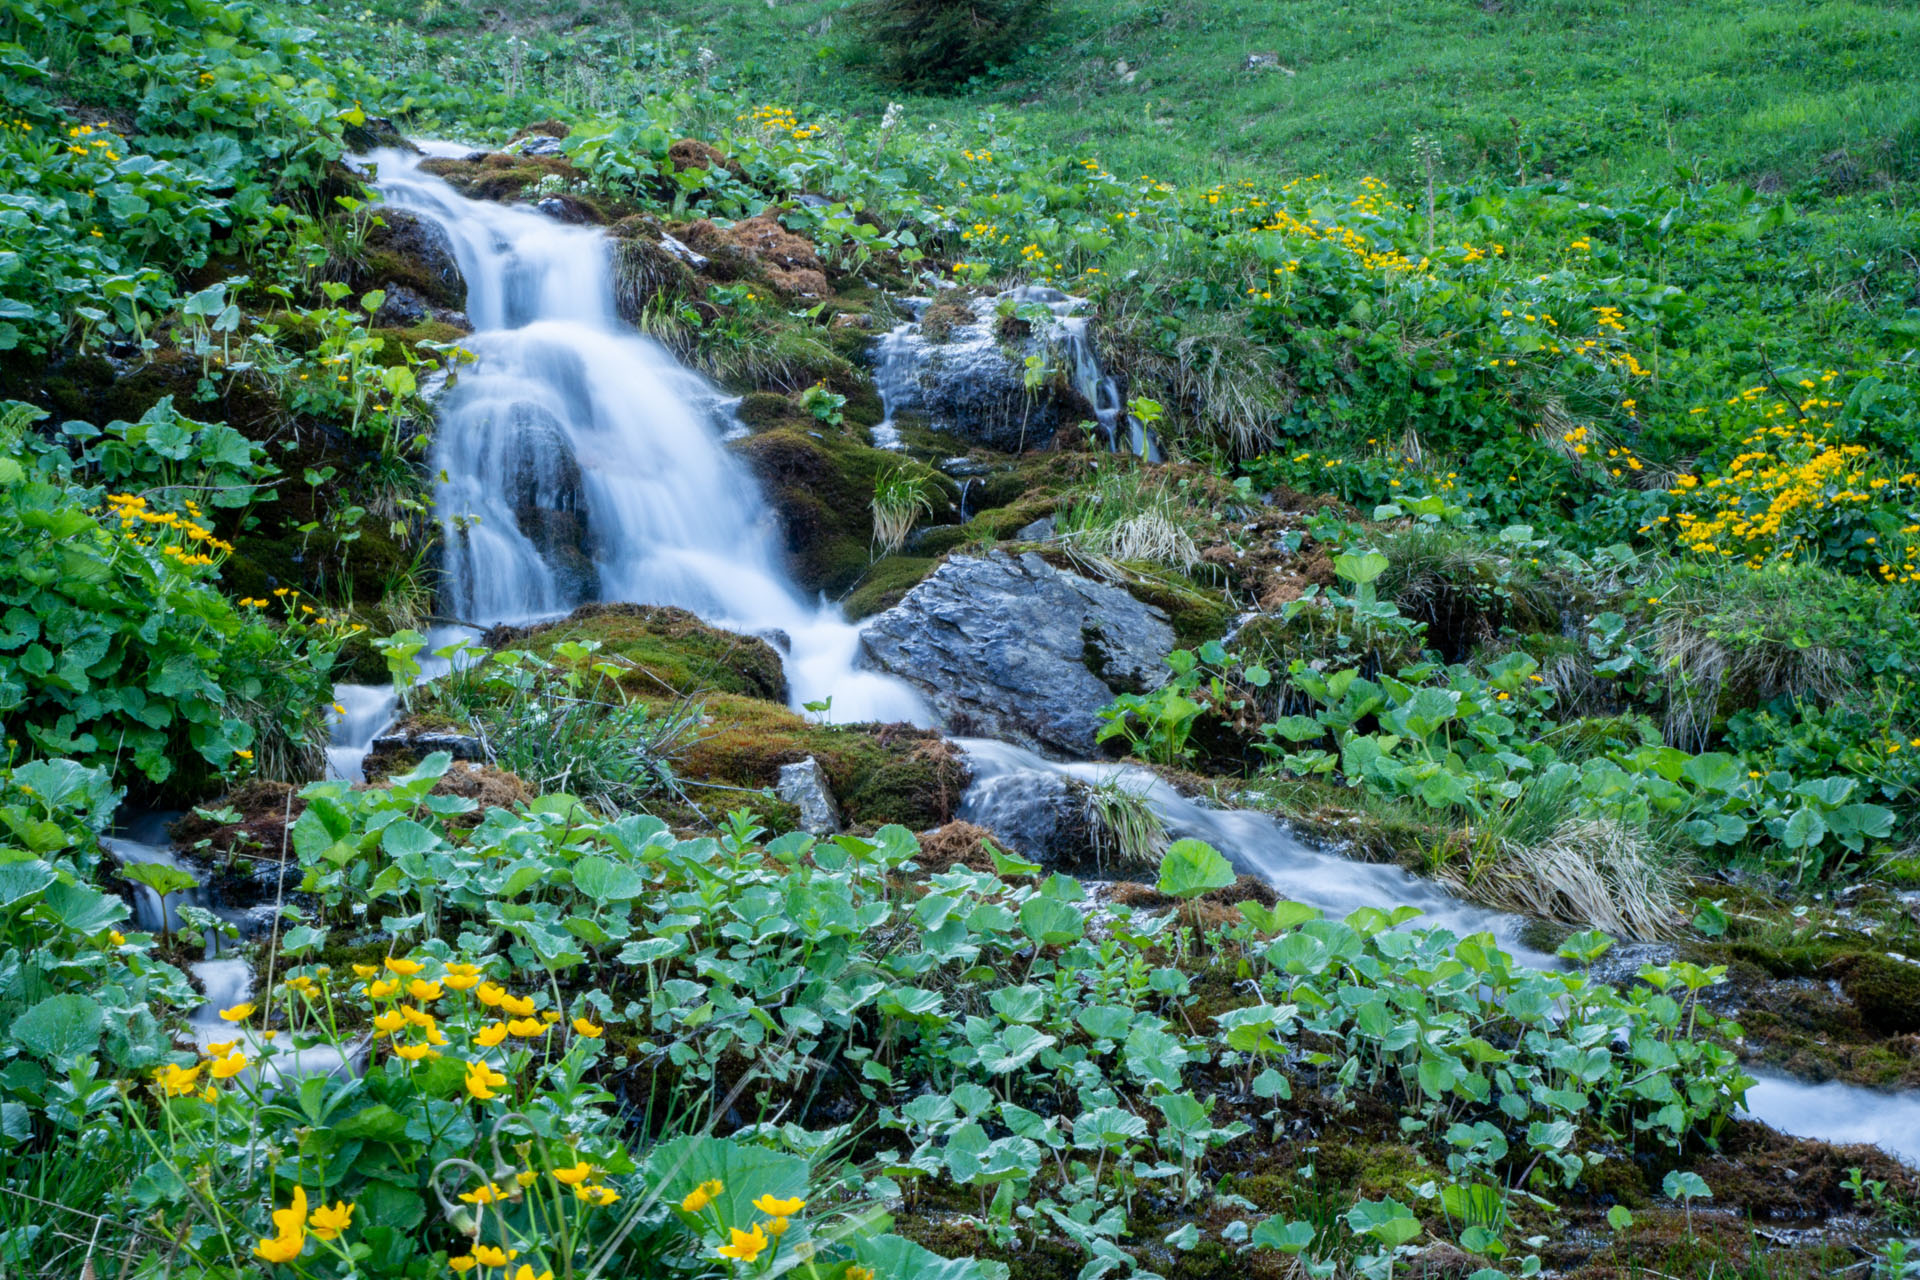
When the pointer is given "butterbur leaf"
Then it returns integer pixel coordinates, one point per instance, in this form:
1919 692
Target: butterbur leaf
1287 1237
1190 868
60 1029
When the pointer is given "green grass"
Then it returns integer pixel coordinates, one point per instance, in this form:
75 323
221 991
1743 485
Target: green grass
1603 90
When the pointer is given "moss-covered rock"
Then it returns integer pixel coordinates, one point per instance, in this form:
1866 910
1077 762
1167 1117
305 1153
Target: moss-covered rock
1886 991
821 482
879 773
407 249
885 583
671 651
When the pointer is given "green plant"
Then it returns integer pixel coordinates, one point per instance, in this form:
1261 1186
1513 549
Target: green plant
901 495
940 44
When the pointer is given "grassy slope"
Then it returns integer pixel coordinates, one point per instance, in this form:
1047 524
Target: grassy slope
1598 89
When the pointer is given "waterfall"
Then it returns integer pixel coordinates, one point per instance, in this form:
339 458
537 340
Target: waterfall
582 462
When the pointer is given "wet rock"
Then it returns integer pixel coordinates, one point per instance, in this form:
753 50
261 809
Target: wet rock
536 145
424 742
804 786
1016 649
410 250
1039 531
549 499
649 266
375 133
1042 816
402 308
562 209
963 364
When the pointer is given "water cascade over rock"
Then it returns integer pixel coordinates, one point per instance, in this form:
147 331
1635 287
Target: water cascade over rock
582 462
965 367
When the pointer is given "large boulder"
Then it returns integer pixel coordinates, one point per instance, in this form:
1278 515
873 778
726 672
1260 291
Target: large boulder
1013 648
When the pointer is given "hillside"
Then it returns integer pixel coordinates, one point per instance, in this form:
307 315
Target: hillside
1237 642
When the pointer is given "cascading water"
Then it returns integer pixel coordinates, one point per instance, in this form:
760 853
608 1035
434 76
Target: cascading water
583 463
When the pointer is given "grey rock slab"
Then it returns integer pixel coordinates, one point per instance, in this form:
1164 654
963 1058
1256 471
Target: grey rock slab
1013 648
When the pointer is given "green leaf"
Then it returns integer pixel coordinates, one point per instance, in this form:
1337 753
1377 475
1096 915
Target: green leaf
1190 868
60 1029
604 880
1051 922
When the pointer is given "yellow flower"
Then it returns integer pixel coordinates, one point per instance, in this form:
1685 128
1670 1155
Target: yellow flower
118 938
404 967
575 1175
389 1022
461 977
774 1207
290 1231
744 1246
463 1264
518 1006
225 1068
585 1028
491 1034
598 1197
238 1013
414 1052
364 970
175 1080
526 1273
859 1273
221 1049
423 991
382 989
702 1196
418 1017
525 1177
491 993
777 1228
527 1027
493 1256
486 1193
328 1223
482 1080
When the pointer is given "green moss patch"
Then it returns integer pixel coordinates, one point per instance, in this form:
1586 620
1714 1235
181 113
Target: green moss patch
672 652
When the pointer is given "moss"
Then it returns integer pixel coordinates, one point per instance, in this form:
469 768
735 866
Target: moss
821 482
1197 613
399 343
1885 991
879 773
672 651
759 410
886 583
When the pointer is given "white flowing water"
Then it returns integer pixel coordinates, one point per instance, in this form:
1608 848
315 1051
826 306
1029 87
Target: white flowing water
1256 843
568 421
1839 1113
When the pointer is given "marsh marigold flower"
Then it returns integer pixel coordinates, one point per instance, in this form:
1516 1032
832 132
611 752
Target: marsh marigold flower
328 1222
743 1246
290 1231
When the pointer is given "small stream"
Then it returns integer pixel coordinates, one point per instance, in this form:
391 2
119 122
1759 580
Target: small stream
567 413
1256 843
